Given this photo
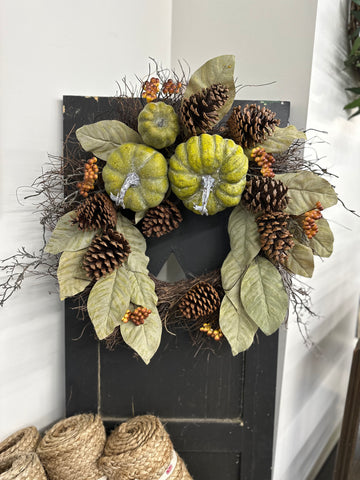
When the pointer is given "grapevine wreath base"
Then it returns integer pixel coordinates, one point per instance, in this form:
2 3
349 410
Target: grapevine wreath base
180 143
77 448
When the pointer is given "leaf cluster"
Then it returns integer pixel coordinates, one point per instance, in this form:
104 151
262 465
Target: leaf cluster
112 295
256 295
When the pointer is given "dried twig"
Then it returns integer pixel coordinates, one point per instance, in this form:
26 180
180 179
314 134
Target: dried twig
22 264
300 300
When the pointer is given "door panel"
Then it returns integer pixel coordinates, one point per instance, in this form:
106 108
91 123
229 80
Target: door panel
218 409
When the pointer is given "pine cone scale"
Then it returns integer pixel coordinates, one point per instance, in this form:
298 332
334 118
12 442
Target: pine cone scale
201 300
161 220
96 212
251 125
275 238
198 113
265 194
106 252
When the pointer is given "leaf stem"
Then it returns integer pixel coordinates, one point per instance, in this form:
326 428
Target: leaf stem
207 183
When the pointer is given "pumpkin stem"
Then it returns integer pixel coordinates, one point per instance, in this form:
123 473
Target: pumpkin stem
207 183
132 180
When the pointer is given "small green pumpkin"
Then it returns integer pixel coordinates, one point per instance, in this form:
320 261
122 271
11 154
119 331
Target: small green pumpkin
158 125
135 176
208 173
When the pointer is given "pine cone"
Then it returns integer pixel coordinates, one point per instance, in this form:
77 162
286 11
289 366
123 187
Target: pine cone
106 252
96 212
199 301
161 220
265 194
276 240
252 125
198 113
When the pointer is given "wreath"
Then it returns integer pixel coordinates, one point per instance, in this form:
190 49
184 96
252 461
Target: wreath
182 143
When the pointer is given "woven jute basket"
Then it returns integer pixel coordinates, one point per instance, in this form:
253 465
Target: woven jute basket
26 466
141 448
71 448
24 440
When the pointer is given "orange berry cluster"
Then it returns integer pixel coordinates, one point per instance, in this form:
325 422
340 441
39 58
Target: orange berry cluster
151 89
309 224
91 171
211 332
264 160
138 316
170 87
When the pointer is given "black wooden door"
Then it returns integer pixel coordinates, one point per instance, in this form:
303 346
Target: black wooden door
218 409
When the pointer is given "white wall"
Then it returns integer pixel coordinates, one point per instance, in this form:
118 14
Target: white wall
315 381
48 50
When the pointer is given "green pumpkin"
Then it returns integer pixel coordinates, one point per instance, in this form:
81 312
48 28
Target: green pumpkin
158 125
208 173
135 176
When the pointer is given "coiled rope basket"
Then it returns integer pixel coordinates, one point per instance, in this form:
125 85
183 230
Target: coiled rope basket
141 449
22 441
26 466
71 448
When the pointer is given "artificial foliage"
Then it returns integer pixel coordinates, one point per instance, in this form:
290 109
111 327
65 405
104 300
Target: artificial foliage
198 113
251 125
160 220
173 146
353 58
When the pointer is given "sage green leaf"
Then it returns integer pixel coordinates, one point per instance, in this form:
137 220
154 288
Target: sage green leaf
142 290
71 275
305 189
104 137
295 227
139 216
235 324
108 301
322 243
263 295
245 245
300 260
68 236
281 139
144 339
244 235
137 262
131 233
231 271
217 70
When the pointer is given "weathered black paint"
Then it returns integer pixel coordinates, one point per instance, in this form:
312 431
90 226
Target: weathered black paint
218 409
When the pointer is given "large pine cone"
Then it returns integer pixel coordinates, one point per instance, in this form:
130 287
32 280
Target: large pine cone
276 240
265 194
198 113
106 252
161 220
199 301
96 212
252 125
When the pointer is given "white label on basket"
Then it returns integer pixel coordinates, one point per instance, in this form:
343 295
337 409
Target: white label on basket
103 478
170 468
